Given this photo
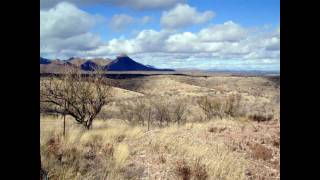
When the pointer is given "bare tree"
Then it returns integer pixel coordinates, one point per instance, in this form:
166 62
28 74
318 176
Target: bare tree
161 111
76 94
139 110
146 110
179 111
211 107
149 113
127 111
232 105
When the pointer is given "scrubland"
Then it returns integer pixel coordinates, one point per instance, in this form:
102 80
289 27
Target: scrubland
172 127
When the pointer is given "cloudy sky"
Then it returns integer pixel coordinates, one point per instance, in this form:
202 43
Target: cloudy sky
203 34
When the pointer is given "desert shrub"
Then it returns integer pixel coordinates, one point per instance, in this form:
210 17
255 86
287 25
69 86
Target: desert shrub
261 152
192 170
262 111
179 112
213 129
199 170
162 158
232 105
108 149
161 112
168 112
211 107
218 107
137 111
148 111
276 142
183 170
261 117
133 171
141 110
54 148
216 129
127 111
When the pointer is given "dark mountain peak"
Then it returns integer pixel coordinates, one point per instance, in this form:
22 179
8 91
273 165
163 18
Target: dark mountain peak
89 66
124 59
125 63
44 61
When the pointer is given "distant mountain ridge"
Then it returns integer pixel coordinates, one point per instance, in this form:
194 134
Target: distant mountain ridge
89 66
44 61
125 63
121 63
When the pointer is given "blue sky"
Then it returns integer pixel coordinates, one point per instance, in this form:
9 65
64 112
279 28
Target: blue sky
249 13
227 34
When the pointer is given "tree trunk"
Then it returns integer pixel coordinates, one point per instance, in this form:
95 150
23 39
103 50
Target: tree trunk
64 125
89 124
149 119
64 119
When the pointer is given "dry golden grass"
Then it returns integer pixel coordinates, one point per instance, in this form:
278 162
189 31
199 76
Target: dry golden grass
112 148
103 146
219 148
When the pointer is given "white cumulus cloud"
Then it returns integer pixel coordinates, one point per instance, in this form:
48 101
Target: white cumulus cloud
65 31
65 20
133 4
65 28
228 31
120 21
188 49
183 15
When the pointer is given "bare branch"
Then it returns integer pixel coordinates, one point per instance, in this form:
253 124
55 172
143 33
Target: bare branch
83 94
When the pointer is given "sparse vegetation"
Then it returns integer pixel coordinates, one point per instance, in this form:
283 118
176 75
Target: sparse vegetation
194 170
221 107
261 118
261 152
232 105
149 111
152 130
211 107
